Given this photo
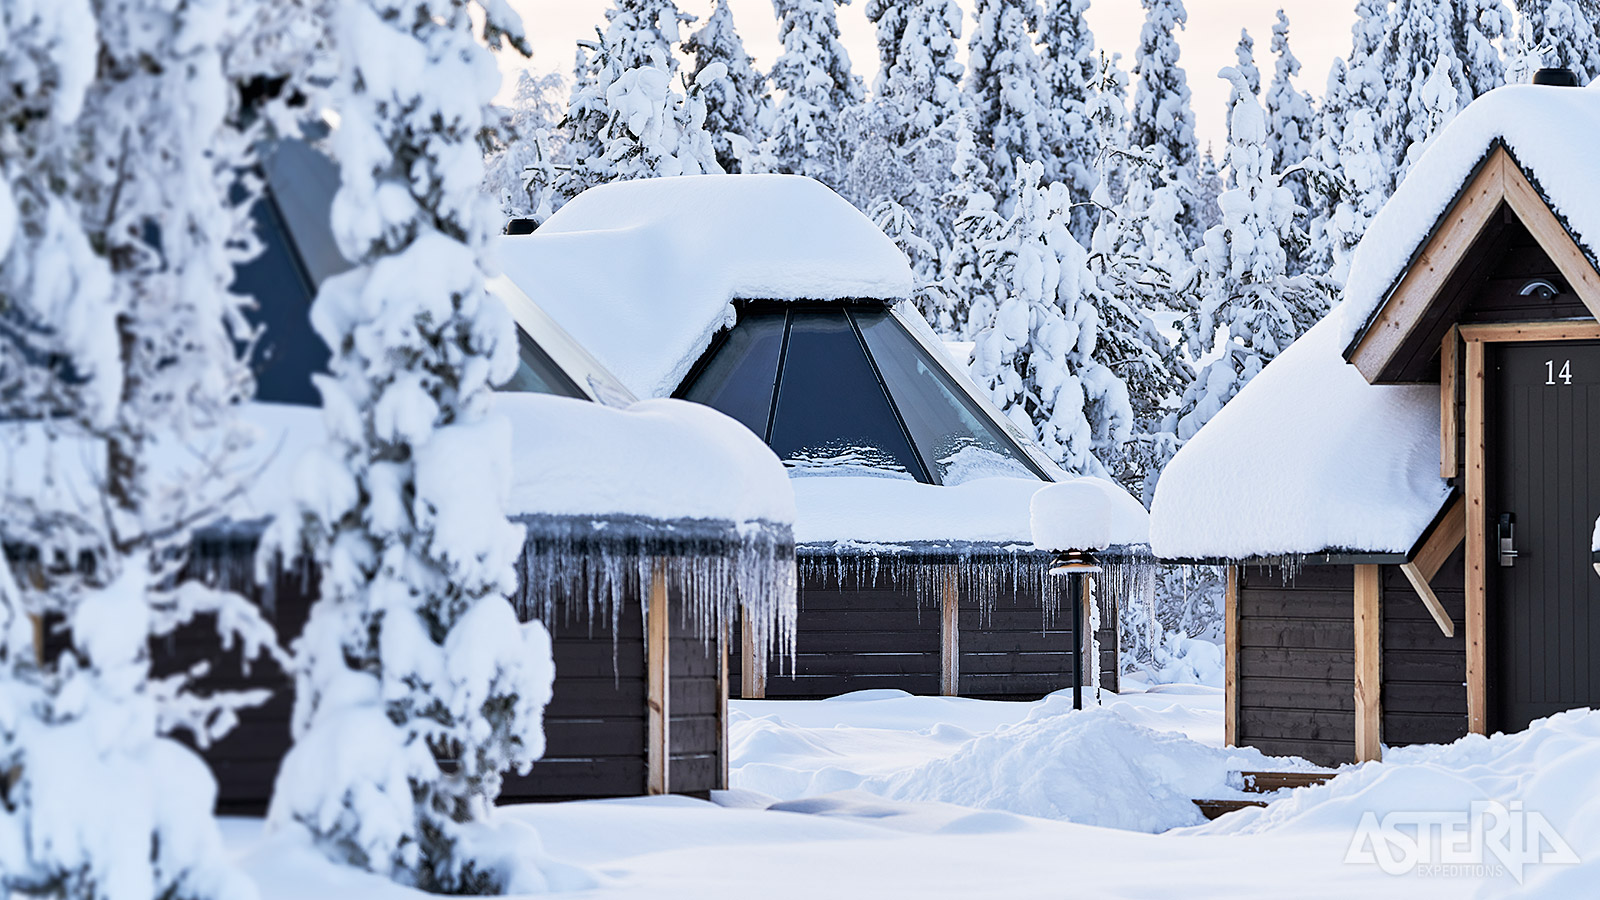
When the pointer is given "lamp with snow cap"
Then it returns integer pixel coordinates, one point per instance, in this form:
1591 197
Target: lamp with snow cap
1075 562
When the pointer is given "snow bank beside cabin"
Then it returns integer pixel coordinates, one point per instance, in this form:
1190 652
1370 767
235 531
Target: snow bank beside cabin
1551 131
868 510
643 273
661 459
1308 457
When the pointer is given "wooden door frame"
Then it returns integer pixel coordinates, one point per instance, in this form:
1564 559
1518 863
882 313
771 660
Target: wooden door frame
1478 338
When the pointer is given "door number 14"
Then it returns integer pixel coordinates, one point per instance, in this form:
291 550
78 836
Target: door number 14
1551 374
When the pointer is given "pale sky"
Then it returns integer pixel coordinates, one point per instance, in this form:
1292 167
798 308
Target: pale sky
1319 31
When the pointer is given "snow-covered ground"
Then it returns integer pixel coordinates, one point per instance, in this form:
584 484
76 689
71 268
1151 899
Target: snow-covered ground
883 794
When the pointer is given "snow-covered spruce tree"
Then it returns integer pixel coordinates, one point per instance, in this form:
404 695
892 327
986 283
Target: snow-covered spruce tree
815 88
1291 120
1035 354
521 169
1162 119
1152 368
626 124
1005 87
122 364
1245 54
903 140
416 687
1565 33
1348 175
1440 102
1070 66
970 208
1244 288
643 32
1208 187
738 106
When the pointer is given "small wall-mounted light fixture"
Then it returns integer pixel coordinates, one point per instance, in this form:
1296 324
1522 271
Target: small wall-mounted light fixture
1074 562
1540 288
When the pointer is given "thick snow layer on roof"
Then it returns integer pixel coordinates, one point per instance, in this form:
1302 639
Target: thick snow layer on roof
643 273
872 510
1308 457
1083 514
661 459
1551 131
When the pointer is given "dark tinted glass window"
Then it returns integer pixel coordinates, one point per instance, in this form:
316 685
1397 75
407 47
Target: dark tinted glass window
289 351
537 373
739 378
955 437
832 415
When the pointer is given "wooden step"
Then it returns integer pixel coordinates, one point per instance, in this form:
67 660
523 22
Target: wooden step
1267 782
1212 809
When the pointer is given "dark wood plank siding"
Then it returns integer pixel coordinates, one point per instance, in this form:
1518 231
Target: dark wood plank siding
1297 662
594 725
1424 672
852 638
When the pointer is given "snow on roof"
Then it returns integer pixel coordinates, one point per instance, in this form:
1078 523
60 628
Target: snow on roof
873 510
643 273
1084 514
1307 458
1552 133
660 459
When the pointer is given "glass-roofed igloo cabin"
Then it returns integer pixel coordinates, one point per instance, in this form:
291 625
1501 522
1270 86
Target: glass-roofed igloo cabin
614 525
775 301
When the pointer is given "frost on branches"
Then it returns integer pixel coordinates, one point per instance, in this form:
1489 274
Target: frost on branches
416 686
1562 33
816 87
521 170
632 123
1005 87
738 106
122 362
1035 354
1290 119
1070 65
905 140
1244 288
1162 119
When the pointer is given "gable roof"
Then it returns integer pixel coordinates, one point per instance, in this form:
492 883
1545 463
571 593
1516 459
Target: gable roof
1529 147
644 273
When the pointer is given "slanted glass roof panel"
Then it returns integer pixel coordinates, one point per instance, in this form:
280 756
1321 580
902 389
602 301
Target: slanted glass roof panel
832 415
740 377
289 351
953 435
537 373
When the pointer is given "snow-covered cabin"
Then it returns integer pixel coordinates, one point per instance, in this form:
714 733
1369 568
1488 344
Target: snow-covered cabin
649 527
1406 495
775 301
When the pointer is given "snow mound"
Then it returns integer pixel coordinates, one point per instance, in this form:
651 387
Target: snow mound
643 272
865 509
1307 458
1092 767
1551 770
1551 132
1084 514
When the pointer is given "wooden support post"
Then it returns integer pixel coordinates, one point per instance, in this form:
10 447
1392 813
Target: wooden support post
1449 424
658 749
950 634
1446 536
38 637
1088 659
723 742
752 661
1477 546
1369 663
1230 676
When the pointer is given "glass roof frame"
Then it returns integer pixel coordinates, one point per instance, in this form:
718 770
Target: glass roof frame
952 380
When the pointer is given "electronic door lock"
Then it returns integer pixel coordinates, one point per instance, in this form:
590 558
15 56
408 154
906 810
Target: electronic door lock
1506 530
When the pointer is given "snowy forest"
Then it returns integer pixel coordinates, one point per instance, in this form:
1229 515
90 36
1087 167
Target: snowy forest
1118 283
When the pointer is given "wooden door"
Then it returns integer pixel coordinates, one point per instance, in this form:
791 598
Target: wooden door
1544 473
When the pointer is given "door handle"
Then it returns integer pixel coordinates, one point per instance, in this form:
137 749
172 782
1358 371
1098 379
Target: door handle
1506 531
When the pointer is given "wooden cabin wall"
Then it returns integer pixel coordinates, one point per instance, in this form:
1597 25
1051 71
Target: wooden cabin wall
862 638
1296 665
1424 673
595 725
